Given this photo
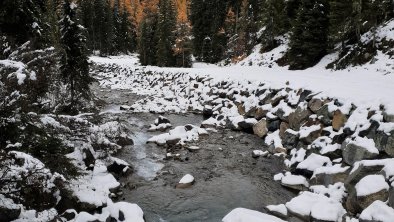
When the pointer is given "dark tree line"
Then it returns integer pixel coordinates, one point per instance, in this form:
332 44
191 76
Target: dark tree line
227 29
109 28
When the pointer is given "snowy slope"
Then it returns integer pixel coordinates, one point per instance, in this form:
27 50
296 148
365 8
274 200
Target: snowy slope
364 86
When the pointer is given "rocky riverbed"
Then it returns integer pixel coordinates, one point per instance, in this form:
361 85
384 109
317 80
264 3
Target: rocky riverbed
226 175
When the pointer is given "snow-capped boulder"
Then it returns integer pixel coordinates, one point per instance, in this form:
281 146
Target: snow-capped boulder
259 153
186 182
366 191
161 120
246 215
295 182
316 206
311 163
247 125
260 128
278 210
330 174
207 111
378 211
360 148
124 140
308 134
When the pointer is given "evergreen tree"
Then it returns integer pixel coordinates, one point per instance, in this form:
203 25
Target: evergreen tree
276 22
340 20
75 67
208 21
183 45
22 21
309 39
166 33
128 32
146 47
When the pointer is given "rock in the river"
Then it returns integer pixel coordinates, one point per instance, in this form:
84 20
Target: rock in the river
246 215
260 128
186 182
193 148
338 121
9 211
207 112
358 149
295 182
124 107
161 120
124 140
119 167
259 153
278 210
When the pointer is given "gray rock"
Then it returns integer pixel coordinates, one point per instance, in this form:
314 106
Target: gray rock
290 139
388 117
298 118
260 128
124 141
385 142
391 196
324 115
315 104
352 153
327 179
356 204
273 125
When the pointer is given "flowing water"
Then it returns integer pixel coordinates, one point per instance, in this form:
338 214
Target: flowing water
226 175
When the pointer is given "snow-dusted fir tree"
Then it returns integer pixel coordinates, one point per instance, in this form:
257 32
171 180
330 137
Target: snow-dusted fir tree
75 67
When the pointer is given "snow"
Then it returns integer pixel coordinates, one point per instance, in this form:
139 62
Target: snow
378 211
246 215
187 179
337 168
329 83
290 179
305 131
365 143
281 208
316 205
335 191
259 153
179 133
371 184
314 161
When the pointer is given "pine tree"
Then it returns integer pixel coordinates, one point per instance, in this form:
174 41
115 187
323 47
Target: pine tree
208 21
75 67
22 21
275 21
165 33
128 32
183 45
340 20
309 39
146 47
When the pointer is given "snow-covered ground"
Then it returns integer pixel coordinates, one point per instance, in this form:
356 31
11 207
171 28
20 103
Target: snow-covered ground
364 86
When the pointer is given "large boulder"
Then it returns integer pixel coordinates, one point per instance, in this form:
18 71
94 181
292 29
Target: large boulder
358 149
260 128
330 175
290 138
366 191
378 211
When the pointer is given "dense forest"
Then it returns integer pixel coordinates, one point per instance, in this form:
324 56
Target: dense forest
169 32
